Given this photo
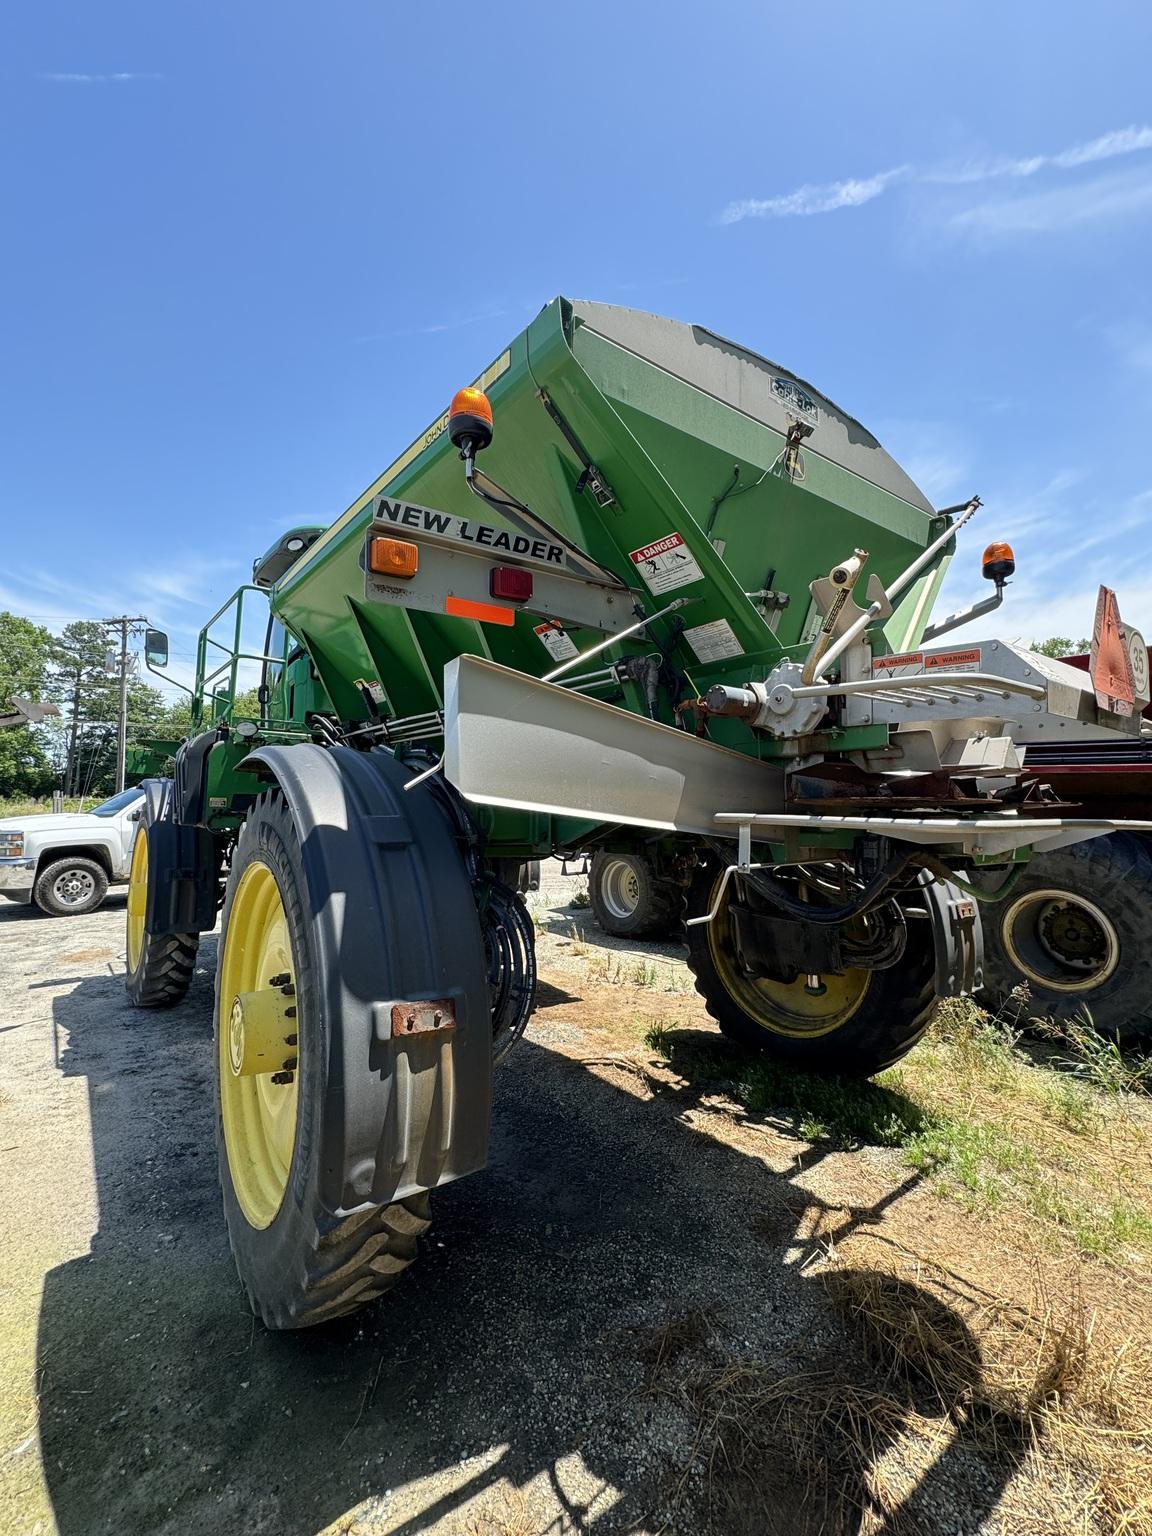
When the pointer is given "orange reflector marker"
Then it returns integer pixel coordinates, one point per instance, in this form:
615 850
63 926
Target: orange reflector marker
483 613
393 557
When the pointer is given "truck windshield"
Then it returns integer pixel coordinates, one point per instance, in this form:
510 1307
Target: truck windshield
118 802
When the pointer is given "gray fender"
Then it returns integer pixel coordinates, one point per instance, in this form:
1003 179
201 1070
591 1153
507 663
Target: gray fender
394 921
958 938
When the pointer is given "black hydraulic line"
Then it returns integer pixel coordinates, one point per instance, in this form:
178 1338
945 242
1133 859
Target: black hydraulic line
503 501
869 894
604 494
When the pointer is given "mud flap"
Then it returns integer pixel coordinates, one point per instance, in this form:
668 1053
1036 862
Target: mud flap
958 939
401 972
183 872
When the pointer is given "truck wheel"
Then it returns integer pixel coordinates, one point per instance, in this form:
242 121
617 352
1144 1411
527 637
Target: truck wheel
1077 927
69 887
333 1123
628 899
159 969
853 1023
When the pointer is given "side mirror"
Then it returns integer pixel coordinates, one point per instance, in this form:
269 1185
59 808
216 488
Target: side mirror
155 647
135 815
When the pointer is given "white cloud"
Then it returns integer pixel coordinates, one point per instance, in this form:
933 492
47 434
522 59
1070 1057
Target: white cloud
61 77
830 196
1104 197
176 598
813 199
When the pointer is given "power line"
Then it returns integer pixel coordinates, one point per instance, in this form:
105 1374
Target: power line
126 626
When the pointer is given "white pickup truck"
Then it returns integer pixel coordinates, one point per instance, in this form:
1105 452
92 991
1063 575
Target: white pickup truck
66 863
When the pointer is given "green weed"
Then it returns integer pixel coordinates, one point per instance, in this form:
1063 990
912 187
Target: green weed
1096 1058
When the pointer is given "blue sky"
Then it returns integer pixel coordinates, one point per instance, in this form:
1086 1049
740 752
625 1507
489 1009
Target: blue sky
250 249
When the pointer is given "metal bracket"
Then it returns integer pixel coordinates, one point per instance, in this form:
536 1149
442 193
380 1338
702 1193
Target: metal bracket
435 1016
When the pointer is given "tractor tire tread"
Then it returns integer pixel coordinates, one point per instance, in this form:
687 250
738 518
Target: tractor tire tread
867 1047
1115 872
353 1261
661 903
42 890
165 973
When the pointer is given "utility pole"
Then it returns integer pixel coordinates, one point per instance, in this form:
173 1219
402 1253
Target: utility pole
124 625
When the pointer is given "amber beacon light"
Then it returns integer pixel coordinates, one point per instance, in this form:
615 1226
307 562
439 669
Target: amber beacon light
999 563
470 420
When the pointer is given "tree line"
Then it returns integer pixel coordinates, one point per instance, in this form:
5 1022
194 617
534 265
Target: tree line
76 750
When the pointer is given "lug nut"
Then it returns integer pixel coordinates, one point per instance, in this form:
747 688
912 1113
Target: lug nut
289 990
290 1039
282 1077
289 1013
279 980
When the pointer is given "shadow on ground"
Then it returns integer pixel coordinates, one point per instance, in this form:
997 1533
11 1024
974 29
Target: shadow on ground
514 1347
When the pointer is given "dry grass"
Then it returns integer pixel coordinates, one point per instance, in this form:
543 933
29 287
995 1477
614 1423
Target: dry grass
1044 1374
1048 1402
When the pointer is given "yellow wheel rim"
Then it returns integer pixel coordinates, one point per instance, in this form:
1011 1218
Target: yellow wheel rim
797 1008
256 1045
137 897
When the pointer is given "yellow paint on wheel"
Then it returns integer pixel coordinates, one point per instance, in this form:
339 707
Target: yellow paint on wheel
259 1114
137 898
794 1008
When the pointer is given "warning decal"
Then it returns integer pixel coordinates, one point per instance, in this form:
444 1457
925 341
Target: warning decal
666 565
898 666
909 663
556 640
954 661
714 642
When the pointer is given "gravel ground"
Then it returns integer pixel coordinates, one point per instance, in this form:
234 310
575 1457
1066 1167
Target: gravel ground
507 1386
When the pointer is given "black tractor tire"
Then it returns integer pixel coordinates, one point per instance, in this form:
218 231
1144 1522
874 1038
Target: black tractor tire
70 887
629 900
331 1245
884 1013
1077 929
159 968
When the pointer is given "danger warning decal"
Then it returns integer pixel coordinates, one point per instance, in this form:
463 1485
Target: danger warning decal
909 663
666 565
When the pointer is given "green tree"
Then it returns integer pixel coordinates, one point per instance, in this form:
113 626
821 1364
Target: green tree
26 655
89 697
1061 645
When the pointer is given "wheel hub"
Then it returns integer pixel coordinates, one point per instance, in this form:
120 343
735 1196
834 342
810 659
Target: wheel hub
1072 934
1061 942
620 889
262 1032
74 886
257 1050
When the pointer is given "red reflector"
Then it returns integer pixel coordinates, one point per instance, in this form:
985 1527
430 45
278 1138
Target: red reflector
510 583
